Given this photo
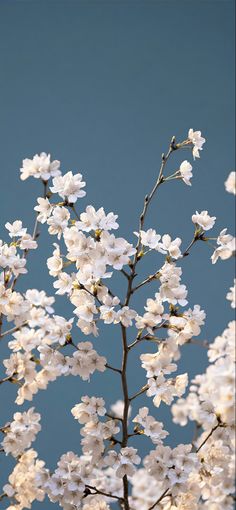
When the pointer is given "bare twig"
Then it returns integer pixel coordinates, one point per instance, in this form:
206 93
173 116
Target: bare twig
107 494
159 499
208 436
113 368
140 392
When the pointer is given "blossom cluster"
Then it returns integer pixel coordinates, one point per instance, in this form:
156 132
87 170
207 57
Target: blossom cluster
43 346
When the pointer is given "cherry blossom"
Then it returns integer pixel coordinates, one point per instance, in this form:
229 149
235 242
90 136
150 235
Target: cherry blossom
69 186
40 167
185 170
230 183
203 220
197 140
87 265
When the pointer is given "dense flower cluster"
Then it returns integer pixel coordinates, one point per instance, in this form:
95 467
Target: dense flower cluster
44 346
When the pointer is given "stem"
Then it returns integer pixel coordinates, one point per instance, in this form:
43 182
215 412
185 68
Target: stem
12 330
75 212
35 232
140 392
113 417
130 277
197 236
209 435
125 412
147 280
147 201
113 368
7 379
97 491
158 500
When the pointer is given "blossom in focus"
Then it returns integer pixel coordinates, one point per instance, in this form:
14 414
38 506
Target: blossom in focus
230 183
203 220
68 186
197 141
169 246
40 166
44 209
58 221
226 246
149 238
15 229
97 220
21 432
185 170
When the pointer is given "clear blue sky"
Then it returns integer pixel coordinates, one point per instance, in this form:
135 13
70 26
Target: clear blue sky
102 86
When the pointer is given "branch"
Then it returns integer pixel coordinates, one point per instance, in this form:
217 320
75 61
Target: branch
113 368
140 392
97 491
113 417
126 410
12 330
150 278
209 435
7 379
159 499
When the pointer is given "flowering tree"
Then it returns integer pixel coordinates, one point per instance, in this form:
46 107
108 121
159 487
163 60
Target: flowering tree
196 476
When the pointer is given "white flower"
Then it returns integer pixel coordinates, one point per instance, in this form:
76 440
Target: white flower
108 314
203 220
124 461
125 315
40 167
149 238
28 243
97 220
186 172
15 229
152 428
171 290
169 246
26 481
86 360
39 298
44 209
230 183
21 432
231 295
59 328
66 485
55 263
88 409
197 141
226 246
63 284
69 187
58 221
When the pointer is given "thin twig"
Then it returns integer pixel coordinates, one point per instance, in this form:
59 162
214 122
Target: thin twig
140 392
208 436
108 495
150 278
159 499
113 368
13 330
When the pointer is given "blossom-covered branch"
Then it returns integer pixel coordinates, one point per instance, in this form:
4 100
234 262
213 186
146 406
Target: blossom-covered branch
45 346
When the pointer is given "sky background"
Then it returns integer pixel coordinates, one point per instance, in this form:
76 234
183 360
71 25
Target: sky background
103 86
